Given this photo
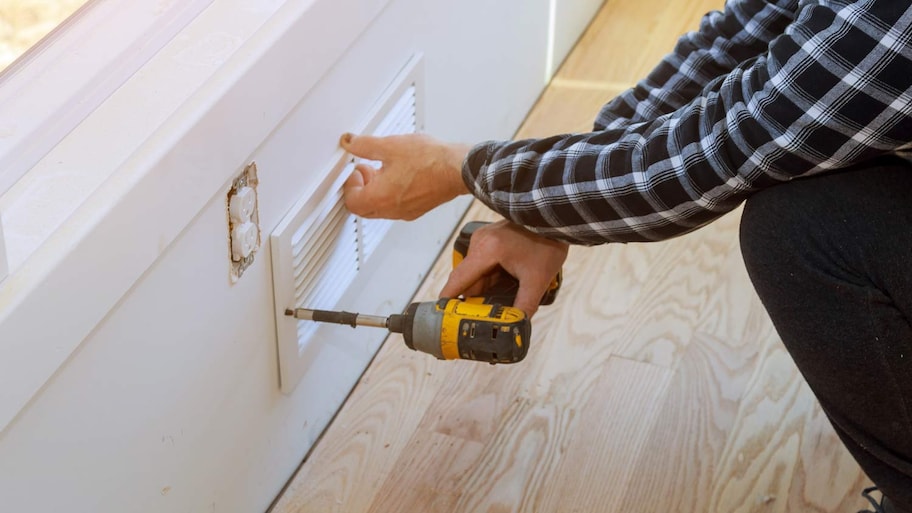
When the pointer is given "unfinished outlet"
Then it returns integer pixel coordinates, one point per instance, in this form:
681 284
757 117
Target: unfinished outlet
243 221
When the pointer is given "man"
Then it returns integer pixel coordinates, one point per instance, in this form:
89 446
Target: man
801 108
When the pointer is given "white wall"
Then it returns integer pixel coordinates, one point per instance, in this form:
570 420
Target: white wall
172 402
4 268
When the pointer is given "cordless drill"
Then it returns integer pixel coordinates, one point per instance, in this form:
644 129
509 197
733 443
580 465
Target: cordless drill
487 328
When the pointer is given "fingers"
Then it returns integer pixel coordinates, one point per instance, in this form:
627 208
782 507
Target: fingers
529 296
356 192
477 288
362 193
467 274
364 146
511 249
356 179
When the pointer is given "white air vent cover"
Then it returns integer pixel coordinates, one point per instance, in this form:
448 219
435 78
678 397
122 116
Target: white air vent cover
319 247
399 118
324 259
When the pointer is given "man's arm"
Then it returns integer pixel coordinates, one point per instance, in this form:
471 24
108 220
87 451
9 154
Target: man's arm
724 40
833 90
419 172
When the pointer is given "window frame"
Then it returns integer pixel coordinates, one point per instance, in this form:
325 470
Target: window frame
93 58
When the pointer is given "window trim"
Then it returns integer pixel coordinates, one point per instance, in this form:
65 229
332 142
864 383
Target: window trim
93 59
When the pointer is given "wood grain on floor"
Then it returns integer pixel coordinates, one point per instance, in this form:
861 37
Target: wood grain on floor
656 383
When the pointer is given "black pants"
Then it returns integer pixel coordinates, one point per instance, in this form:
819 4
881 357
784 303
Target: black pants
831 258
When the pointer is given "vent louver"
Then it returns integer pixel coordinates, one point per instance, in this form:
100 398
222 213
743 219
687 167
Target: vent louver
319 247
325 262
402 118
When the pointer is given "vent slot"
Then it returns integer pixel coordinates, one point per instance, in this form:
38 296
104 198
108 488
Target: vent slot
401 119
319 248
325 262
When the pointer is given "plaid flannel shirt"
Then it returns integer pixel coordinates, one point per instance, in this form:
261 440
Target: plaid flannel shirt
762 93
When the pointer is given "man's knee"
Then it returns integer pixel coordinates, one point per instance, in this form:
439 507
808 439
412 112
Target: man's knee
812 220
771 230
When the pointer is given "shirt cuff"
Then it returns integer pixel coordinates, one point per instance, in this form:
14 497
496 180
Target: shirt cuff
473 168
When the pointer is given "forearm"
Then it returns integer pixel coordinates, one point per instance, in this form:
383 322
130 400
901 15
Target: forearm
805 107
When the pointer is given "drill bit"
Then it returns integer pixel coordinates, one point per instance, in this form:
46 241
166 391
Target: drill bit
347 318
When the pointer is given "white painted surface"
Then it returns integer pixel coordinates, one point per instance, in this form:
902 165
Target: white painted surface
161 98
4 268
111 239
91 57
134 376
570 20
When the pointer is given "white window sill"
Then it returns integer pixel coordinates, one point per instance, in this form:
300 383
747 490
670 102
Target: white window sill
62 79
97 137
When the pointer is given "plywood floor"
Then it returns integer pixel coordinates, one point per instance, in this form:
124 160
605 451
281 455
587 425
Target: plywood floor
655 384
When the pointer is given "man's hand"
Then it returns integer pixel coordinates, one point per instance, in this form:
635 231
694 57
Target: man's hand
417 173
505 246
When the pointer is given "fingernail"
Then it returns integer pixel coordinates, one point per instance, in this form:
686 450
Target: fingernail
346 138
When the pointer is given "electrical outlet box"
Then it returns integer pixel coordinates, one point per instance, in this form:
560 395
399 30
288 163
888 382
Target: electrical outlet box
243 221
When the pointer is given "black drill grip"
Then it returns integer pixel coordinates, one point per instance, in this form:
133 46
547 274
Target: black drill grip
351 319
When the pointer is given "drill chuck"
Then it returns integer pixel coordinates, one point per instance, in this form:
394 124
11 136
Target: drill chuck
422 328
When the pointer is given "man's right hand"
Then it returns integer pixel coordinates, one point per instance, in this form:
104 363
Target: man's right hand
417 173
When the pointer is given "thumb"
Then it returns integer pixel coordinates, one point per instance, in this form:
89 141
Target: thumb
364 146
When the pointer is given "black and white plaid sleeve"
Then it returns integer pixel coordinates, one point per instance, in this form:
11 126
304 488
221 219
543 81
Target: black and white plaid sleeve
724 40
834 89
